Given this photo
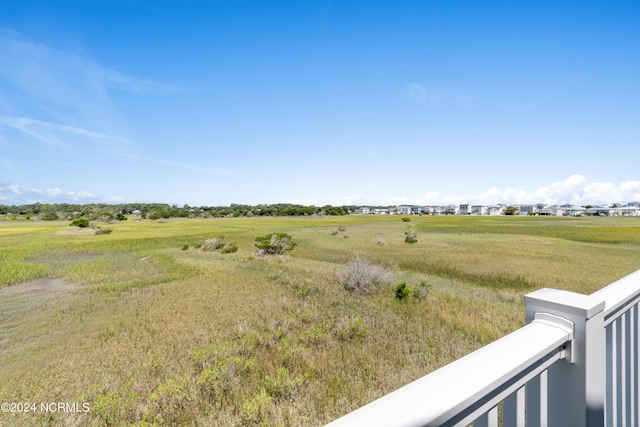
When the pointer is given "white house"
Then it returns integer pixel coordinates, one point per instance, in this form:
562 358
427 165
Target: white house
479 210
451 210
465 209
571 210
495 210
628 211
527 209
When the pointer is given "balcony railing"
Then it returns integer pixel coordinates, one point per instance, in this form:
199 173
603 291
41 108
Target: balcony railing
575 363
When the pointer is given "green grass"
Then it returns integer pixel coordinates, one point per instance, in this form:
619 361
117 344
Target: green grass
152 333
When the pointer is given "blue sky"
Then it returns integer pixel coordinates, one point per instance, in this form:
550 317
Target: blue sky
316 102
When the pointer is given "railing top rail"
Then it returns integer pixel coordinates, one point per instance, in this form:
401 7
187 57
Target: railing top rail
450 391
619 295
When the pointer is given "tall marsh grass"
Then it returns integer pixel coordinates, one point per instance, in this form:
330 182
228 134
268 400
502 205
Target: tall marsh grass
154 333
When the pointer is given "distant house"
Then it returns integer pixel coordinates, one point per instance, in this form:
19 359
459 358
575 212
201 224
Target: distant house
136 213
570 210
629 211
464 209
479 210
451 210
363 211
495 210
433 210
409 210
527 209
380 211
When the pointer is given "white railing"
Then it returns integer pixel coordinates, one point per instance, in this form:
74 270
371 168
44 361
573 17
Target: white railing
575 363
621 329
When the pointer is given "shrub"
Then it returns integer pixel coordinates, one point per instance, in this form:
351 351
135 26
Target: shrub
410 237
80 222
218 243
402 291
256 410
422 290
49 216
103 231
281 385
362 276
185 247
229 248
105 216
213 244
274 244
120 216
351 329
405 219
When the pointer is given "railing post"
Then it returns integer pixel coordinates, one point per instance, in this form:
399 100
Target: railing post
575 389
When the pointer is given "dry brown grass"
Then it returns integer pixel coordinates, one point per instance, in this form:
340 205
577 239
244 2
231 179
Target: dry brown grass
213 339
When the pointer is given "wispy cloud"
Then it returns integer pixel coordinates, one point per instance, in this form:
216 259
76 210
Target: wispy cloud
433 94
52 133
62 86
220 171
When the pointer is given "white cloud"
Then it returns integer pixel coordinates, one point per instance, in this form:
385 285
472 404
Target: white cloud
16 194
576 189
304 202
356 199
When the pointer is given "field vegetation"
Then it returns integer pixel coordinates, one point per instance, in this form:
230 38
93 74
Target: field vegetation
154 324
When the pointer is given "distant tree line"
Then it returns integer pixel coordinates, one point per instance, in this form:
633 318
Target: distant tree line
99 211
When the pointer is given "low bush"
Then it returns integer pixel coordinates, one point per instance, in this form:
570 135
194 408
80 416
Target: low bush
218 244
213 244
274 244
410 237
422 290
229 248
405 219
80 222
104 216
402 291
351 328
362 276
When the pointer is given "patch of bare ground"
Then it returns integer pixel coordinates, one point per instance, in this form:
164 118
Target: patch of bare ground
40 286
77 231
27 311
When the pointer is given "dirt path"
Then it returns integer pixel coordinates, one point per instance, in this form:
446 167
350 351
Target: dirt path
40 286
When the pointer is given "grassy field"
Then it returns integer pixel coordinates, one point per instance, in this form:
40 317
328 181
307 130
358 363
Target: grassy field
150 330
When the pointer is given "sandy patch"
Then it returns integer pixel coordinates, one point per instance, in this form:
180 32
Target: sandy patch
40 286
77 231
